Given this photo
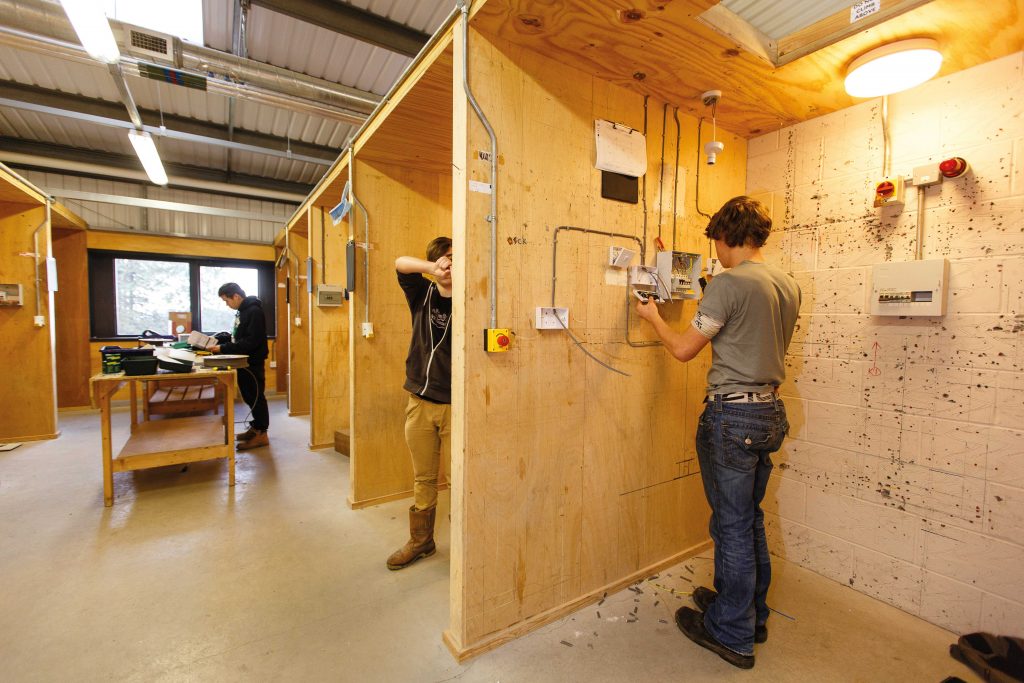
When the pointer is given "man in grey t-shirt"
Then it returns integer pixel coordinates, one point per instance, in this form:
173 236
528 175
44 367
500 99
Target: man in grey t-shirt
747 314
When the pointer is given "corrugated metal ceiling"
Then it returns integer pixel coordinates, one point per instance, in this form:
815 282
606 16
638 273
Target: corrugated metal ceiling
272 38
776 19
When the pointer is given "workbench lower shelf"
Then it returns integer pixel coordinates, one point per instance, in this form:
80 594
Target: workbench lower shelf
173 441
193 438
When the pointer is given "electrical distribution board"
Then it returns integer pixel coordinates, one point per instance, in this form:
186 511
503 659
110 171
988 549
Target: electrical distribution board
329 295
10 295
679 271
910 288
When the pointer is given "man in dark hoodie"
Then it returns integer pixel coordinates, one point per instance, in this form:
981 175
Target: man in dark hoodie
249 337
428 379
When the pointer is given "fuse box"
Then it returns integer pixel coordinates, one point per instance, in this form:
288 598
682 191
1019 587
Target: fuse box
679 271
910 288
10 295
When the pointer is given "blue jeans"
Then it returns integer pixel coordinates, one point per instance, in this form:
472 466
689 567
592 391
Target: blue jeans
734 445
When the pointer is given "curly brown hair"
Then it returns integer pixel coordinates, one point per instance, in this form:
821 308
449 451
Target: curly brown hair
438 247
740 221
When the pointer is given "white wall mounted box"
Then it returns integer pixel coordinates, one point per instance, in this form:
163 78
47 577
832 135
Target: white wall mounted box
909 288
10 295
330 295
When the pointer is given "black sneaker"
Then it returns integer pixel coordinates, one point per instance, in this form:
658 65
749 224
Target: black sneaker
691 623
703 597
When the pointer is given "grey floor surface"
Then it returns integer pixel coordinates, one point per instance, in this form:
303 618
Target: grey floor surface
185 579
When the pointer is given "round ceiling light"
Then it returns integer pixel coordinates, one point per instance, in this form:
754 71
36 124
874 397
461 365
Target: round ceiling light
894 67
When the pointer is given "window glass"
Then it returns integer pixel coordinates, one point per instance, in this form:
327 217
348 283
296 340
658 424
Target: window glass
146 292
215 314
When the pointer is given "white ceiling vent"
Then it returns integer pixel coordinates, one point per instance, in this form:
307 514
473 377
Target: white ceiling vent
147 44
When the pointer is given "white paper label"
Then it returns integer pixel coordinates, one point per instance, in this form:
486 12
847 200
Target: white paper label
478 186
864 9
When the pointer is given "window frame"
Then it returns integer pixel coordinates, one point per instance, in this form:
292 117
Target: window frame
103 289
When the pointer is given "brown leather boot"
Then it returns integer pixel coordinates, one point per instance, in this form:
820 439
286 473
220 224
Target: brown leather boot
421 541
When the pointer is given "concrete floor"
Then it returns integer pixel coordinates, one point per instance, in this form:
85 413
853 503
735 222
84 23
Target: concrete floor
186 579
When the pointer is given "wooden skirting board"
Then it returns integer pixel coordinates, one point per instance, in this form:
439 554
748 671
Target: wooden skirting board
544 618
36 437
386 499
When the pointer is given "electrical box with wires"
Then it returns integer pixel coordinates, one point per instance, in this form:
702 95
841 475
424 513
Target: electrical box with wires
678 272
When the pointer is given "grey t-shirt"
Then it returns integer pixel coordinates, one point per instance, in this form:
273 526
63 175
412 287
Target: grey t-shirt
757 305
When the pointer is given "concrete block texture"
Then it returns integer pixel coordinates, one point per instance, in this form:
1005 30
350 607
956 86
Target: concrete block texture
903 476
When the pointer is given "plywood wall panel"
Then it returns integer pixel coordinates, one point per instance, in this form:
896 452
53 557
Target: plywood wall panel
329 332
407 208
28 402
283 278
71 318
569 478
298 330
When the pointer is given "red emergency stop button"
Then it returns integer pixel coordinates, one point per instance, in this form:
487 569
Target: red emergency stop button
953 168
502 340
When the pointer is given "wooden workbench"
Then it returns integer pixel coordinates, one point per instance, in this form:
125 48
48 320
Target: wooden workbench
172 441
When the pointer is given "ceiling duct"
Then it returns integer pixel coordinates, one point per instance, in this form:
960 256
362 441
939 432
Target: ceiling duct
42 27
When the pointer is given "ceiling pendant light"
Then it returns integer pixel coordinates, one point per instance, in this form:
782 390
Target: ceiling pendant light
150 158
893 68
93 29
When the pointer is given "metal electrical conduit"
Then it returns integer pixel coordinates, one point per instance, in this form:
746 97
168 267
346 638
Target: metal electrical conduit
629 301
493 217
42 27
366 228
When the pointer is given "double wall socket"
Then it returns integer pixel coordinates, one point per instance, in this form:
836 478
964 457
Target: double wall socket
551 318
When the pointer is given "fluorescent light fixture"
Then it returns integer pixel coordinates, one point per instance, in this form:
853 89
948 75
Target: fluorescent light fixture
93 29
893 68
146 149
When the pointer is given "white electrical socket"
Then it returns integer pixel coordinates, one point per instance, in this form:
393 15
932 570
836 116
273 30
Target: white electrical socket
39 320
619 257
273 364
367 330
298 322
551 318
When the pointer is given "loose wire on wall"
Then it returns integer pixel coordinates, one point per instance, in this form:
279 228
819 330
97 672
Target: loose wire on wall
661 169
675 182
643 242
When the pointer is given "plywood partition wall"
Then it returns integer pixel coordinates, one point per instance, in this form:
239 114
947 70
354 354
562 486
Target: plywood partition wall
71 317
407 209
298 321
28 398
403 179
568 479
329 332
284 290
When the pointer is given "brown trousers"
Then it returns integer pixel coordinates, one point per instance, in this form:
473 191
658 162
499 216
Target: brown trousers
428 434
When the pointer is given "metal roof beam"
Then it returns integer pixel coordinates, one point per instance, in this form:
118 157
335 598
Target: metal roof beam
49 156
351 21
37 99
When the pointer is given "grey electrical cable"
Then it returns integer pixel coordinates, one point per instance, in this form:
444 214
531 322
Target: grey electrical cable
643 243
675 185
700 123
661 168
584 350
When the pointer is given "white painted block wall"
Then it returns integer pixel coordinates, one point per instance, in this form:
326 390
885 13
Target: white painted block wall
907 482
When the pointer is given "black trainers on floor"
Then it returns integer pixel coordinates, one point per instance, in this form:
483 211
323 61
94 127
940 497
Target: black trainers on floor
691 623
703 597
